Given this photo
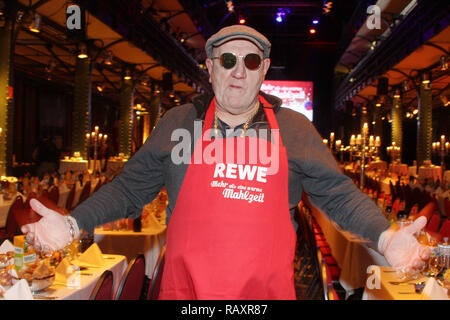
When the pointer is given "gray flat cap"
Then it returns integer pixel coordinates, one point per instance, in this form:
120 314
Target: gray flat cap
238 32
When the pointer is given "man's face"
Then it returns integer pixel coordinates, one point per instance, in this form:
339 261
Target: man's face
236 89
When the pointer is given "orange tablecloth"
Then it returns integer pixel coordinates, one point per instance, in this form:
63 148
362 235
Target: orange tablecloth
433 172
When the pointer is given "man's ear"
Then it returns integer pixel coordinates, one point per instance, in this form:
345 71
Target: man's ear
266 65
209 65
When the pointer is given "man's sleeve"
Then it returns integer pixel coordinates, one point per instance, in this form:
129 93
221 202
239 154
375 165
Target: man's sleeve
139 183
335 193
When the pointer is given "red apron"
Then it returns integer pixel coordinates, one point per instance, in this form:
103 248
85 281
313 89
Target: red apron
230 236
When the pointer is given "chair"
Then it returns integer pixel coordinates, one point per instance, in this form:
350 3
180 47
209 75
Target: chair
447 207
99 184
11 225
26 215
54 194
130 287
155 282
426 211
85 193
70 197
433 224
104 287
444 232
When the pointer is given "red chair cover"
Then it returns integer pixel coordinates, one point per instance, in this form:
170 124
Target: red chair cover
130 287
103 288
433 225
444 232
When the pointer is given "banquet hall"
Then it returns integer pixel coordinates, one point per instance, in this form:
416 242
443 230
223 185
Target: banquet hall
84 84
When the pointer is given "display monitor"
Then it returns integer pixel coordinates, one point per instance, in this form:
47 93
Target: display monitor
296 95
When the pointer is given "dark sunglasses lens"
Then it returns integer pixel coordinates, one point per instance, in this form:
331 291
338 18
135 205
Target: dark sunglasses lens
252 61
228 60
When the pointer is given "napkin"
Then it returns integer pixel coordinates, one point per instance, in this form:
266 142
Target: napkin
66 274
92 257
6 246
434 291
19 291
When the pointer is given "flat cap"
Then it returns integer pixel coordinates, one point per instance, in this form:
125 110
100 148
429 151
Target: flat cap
238 32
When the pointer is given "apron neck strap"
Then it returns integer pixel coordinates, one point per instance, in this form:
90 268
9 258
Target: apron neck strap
268 110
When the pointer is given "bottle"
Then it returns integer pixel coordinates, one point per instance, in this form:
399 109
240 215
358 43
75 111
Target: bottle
401 211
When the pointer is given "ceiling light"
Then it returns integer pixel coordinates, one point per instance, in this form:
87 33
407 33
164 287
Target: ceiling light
415 111
443 63
312 31
241 20
127 75
230 6
378 105
405 85
109 58
315 21
426 77
82 51
35 24
397 94
100 87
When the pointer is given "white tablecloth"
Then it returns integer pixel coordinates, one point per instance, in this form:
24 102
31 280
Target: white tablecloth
128 243
88 279
400 169
380 286
352 254
67 165
433 172
446 176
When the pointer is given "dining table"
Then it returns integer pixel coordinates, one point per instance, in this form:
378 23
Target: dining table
352 253
73 165
386 283
429 172
149 241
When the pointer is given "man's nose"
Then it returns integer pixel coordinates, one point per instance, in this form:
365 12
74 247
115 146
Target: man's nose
239 70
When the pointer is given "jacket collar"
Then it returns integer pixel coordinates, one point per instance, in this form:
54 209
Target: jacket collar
201 104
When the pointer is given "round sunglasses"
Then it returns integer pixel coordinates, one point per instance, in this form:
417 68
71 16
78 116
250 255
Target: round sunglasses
228 60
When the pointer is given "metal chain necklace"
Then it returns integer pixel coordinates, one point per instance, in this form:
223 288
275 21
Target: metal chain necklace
244 128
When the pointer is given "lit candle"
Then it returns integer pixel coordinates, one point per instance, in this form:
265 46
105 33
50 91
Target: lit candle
332 136
352 140
377 141
96 129
105 137
338 144
365 128
358 139
100 136
371 141
88 136
325 141
447 146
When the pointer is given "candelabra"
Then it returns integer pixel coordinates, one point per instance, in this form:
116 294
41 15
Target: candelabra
2 163
393 152
95 140
441 149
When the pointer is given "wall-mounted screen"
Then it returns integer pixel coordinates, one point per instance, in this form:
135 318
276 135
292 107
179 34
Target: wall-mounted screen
296 95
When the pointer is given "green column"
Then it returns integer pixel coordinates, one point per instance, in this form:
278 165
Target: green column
6 99
378 126
81 117
126 117
424 125
396 126
155 110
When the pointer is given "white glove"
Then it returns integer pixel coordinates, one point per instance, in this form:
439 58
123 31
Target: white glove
401 248
52 232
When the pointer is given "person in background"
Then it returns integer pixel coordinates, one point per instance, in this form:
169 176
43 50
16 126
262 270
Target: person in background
46 155
223 243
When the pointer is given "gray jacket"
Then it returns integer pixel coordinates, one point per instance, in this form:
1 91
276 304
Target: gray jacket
312 169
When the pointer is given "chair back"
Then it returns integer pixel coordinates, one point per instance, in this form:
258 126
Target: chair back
70 198
85 193
11 222
155 282
433 225
426 211
130 287
26 215
54 194
103 288
444 232
447 207
99 184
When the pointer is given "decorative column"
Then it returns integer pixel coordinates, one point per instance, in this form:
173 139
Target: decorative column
6 97
424 124
126 117
81 116
396 125
155 110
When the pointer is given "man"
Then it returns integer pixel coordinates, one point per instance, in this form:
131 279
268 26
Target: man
230 233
